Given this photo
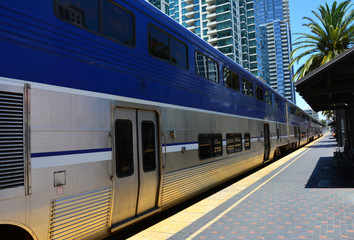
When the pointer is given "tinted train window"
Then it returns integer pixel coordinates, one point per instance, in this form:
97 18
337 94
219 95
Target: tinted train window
295 131
259 93
159 44
276 102
247 141
247 87
204 146
233 142
167 48
83 13
117 23
111 21
217 145
231 79
201 65
124 148
213 70
178 53
148 146
209 145
206 67
268 97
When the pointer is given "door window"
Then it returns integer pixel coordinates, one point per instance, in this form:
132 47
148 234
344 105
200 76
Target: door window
148 148
124 148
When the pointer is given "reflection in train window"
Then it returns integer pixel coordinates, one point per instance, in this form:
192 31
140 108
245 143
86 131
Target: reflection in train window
268 98
210 145
247 87
159 44
276 102
124 148
295 131
206 67
148 146
167 48
233 142
117 23
259 93
217 145
83 13
231 79
178 53
111 20
247 141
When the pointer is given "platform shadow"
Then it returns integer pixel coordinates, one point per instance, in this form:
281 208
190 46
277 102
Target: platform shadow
328 175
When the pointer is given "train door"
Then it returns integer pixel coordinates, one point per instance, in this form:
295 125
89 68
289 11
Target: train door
136 179
266 142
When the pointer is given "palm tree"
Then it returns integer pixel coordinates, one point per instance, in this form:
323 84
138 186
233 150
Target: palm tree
328 114
328 38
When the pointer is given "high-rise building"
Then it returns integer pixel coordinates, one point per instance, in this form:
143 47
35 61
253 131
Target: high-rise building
312 113
160 4
231 26
274 20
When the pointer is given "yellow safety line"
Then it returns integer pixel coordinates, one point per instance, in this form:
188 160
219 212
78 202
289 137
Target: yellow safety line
239 201
172 225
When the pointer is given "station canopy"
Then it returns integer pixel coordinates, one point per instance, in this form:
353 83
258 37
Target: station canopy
330 86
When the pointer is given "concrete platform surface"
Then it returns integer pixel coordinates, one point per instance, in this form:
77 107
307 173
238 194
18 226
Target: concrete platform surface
301 196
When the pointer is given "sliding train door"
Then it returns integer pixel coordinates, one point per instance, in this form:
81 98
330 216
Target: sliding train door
136 179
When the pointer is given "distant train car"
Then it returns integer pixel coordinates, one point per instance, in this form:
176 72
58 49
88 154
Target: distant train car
110 111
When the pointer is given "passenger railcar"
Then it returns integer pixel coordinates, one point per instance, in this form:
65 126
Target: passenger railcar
111 112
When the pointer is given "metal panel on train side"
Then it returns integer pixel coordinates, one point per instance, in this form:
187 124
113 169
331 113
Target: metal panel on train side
148 160
126 186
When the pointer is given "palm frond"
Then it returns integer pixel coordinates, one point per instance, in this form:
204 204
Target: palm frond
331 32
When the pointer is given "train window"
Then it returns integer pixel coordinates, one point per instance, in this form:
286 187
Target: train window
117 23
159 44
167 48
179 53
213 70
201 65
295 131
250 89
204 142
209 145
247 87
231 79
111 20
276 102
259 93
217 145
233 142
206 67
83 13
247 141
268 97
148 146
124 148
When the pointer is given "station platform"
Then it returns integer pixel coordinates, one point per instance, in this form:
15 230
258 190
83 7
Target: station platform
304 195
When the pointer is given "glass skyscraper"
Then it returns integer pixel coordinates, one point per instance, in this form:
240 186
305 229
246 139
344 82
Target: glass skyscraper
231 26
253 33
274 20
161 4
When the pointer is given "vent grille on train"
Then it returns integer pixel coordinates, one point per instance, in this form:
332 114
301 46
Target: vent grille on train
84 216
11 140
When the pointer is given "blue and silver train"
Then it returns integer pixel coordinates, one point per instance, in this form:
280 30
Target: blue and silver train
110 111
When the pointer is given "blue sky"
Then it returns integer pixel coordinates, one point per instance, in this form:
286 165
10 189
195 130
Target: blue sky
298 10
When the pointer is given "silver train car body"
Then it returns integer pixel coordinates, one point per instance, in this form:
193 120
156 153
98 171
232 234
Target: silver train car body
59 147
79 195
